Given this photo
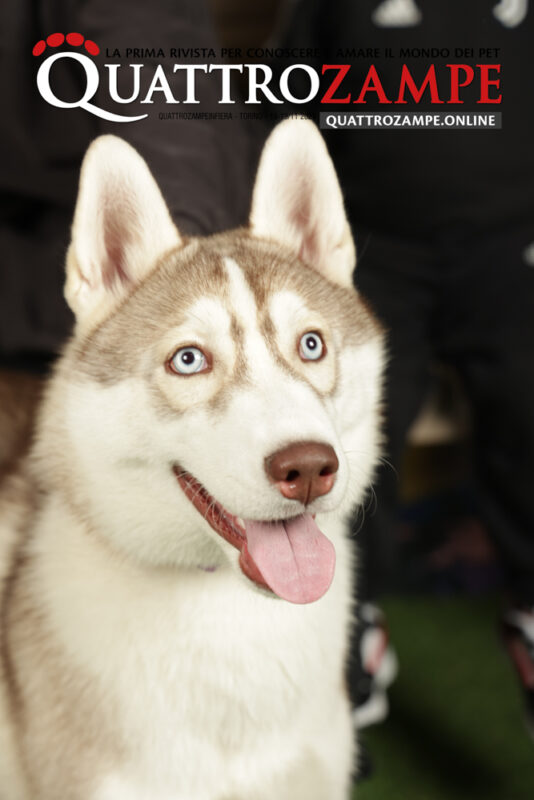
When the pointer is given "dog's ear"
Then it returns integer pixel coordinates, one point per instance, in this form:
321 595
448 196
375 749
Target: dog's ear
121 226
297 201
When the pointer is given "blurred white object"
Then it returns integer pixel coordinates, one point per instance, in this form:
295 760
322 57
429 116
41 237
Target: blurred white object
397 14
528 255
445 415
511 13
379 667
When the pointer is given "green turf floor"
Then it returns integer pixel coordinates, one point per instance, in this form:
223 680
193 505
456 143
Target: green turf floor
455 731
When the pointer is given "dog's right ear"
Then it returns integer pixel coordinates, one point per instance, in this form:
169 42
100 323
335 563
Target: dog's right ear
297 201
121 227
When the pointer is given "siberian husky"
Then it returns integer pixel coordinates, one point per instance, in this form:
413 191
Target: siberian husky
176 572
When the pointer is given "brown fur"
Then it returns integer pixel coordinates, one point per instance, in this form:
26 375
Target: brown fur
189 273
38 682
19 397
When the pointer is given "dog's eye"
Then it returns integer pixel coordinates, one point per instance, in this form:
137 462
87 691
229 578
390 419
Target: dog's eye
188 361
311 346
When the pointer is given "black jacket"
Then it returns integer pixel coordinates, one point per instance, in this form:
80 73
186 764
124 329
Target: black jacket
204 169
420 183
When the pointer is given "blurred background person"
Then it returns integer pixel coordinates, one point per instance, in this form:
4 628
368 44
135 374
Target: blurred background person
445 231
205 169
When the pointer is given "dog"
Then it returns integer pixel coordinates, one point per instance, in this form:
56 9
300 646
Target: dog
176 569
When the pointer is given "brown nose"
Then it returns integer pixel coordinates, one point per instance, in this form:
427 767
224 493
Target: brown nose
303 470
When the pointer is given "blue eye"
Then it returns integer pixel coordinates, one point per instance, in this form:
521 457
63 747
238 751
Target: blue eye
188 361
311 347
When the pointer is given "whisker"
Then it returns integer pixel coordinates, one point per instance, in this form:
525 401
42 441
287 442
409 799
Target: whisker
381 459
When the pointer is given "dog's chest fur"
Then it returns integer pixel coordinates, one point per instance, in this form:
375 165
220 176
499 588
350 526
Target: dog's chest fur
215 667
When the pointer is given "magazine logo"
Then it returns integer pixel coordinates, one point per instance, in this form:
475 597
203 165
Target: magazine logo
450 83
92 76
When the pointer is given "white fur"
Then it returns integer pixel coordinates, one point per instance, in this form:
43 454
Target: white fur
297 201
121 224
204 657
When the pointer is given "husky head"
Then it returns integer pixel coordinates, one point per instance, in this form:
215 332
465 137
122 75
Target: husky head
219 398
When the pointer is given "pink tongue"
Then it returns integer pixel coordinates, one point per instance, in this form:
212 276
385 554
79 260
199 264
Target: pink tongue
296 560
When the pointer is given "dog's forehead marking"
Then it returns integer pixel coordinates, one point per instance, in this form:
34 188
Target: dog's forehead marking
269 337
243 300
259 349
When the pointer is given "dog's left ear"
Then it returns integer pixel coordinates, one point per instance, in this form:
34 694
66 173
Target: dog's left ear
121 228
297 201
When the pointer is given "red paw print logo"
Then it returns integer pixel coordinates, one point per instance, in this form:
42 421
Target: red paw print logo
79 51
57 39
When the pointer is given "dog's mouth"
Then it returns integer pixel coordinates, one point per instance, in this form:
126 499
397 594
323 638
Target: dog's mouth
292 558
